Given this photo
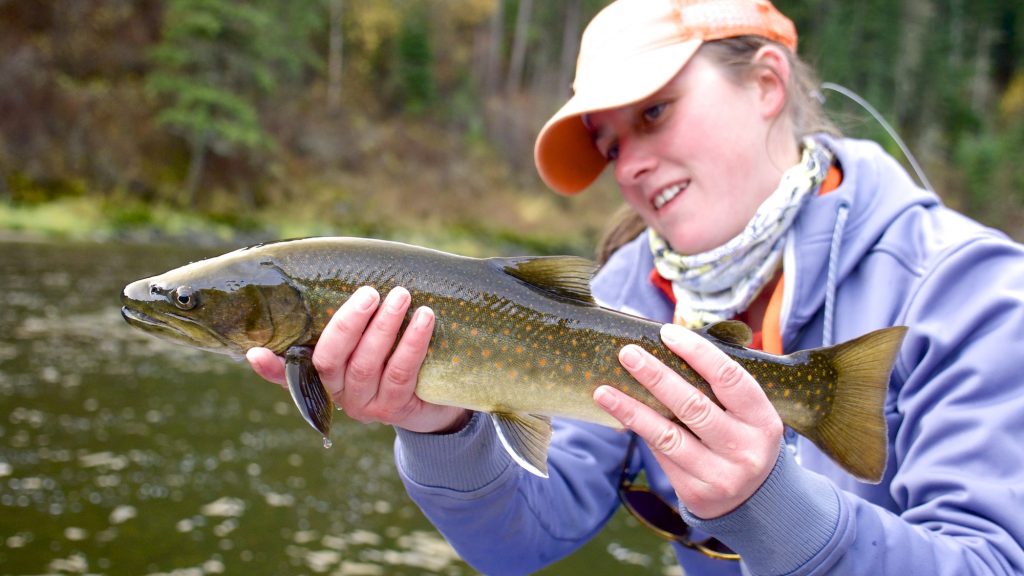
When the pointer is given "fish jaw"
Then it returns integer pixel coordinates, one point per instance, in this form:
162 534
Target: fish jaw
226 305
145 308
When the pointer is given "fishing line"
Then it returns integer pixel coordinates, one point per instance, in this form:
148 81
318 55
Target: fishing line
885 125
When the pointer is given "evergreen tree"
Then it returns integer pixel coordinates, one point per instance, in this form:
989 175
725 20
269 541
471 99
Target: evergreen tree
216 59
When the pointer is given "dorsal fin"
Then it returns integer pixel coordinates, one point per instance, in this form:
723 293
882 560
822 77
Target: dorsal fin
730 332
565 276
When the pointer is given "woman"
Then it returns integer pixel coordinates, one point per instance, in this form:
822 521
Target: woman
750 209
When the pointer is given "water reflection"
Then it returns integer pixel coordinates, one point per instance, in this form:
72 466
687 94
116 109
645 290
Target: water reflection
122 454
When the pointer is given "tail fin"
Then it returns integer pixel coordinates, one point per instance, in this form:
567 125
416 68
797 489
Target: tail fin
853 433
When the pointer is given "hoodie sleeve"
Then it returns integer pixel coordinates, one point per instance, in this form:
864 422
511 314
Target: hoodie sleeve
956 487
500 518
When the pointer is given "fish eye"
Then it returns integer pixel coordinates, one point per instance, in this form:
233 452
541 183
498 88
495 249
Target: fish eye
185 298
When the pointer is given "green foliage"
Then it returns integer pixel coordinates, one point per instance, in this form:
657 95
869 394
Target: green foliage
994 173
24 190
217 59
205 65
415 64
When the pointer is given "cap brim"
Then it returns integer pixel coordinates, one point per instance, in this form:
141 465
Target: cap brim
564 153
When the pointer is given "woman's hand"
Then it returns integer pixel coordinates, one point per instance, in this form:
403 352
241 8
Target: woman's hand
356 365
720 457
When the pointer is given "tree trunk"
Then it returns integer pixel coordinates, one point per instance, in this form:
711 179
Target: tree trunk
491 46
196 165
916 24
570 46
517 62
334 57
980 86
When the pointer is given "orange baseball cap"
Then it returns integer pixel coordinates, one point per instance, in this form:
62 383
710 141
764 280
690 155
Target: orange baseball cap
629 51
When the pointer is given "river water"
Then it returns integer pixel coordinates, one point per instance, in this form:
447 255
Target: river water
122 454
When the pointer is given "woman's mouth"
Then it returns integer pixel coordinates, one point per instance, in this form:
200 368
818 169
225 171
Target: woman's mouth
668 194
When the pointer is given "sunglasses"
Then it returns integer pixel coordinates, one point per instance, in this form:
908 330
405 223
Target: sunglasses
661 517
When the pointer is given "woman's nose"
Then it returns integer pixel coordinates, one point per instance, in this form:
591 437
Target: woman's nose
635 162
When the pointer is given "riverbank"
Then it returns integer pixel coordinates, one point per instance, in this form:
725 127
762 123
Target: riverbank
506 223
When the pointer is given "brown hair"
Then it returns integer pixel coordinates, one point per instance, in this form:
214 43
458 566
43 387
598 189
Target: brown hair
735 55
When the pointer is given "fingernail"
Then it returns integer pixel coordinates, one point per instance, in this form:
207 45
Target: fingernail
397 299
422 317
672 333
631 358
605 398
365 298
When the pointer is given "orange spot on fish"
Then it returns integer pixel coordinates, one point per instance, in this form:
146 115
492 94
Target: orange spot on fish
543 362
455 360
486 353
474 332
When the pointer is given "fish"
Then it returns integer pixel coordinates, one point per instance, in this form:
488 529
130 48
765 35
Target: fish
520 338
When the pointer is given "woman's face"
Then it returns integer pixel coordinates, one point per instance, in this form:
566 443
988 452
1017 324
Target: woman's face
694 159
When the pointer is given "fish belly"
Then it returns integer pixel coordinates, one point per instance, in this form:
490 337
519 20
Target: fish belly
508 390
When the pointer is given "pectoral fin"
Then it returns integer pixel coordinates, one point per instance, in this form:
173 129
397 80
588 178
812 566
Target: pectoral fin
526 438
307 391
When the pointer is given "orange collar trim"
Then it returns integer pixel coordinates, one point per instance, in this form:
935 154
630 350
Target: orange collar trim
771 329
769 338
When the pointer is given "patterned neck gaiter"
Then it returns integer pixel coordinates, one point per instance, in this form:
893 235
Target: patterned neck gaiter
719 284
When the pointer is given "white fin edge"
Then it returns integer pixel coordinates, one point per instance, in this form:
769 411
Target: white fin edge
525 433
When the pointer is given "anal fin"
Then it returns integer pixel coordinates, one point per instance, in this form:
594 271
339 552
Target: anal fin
526 438
312 400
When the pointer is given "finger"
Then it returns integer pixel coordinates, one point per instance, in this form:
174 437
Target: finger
341 336
691 406
663 436
362 376
733 386
267 365
398 382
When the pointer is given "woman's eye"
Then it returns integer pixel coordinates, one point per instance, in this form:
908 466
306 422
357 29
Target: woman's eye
652 113
184 298
611 153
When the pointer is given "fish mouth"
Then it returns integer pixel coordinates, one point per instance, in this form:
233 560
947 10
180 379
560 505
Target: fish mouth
145 321
172 331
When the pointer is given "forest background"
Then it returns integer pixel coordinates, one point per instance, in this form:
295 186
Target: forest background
199 120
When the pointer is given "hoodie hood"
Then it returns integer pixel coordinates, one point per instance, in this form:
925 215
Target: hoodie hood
834 233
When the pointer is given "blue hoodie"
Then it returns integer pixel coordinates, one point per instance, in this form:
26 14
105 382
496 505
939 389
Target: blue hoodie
878 251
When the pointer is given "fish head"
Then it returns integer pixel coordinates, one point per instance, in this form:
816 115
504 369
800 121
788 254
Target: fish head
226 304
